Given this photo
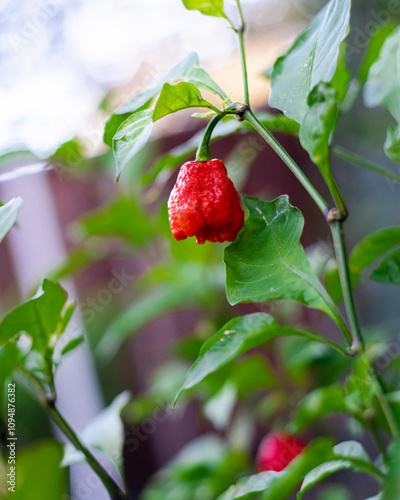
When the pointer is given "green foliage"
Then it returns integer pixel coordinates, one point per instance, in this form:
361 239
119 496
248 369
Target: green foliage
392 143
348 455
39 474
312 59
236 337
267 261
8 216
388 271
382 86
122 217
207 7
391 487
318 125
174 98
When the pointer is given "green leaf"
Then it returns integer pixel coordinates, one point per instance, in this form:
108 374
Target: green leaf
267 261
39 317
39 474
69 154
360 389
187 70
312 59
391 487
383 84
234 338
207 7
279 485
378 37
392 143
120 217
318 124
8 216
173 98
342 76
72 344
104 433
371 248
317 404
388 272
131 137
348 455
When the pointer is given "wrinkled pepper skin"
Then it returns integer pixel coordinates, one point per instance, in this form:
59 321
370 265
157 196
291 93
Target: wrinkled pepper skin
277 450
204 203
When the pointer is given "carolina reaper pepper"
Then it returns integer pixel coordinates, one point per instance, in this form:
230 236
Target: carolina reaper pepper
204 203
277 450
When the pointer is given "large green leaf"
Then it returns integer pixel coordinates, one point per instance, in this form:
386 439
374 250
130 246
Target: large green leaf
348 455
388 272
267 261
311 60
121 217
40 317
383 84
173 98
234 338
317 404
318 125
187 70
207 7
39 474
279 485
8 215
391 487
131 137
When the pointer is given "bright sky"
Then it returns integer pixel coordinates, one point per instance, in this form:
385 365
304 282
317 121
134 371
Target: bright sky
58 58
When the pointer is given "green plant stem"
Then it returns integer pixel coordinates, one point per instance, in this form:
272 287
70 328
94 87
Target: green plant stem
346 155
377 438
268 137
240 34
203 152
340 251
358 342
112 487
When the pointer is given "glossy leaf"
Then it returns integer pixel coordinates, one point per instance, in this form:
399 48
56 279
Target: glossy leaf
8 215
388 272
348 455
72 344
279 485
131 137
342 76
39 317
39 474
187 70
173 98
236 337
120 217
267 261
391 487
207 7
312 59
383 84
392 143
317 404
318 125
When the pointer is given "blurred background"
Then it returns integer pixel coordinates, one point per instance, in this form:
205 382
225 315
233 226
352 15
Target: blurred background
146 302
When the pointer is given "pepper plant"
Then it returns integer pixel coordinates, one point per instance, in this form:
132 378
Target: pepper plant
312 89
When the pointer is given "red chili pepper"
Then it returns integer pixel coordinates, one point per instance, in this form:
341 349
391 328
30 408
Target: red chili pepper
277 450
204 203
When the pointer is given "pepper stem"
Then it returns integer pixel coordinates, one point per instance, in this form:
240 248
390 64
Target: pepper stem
203 152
